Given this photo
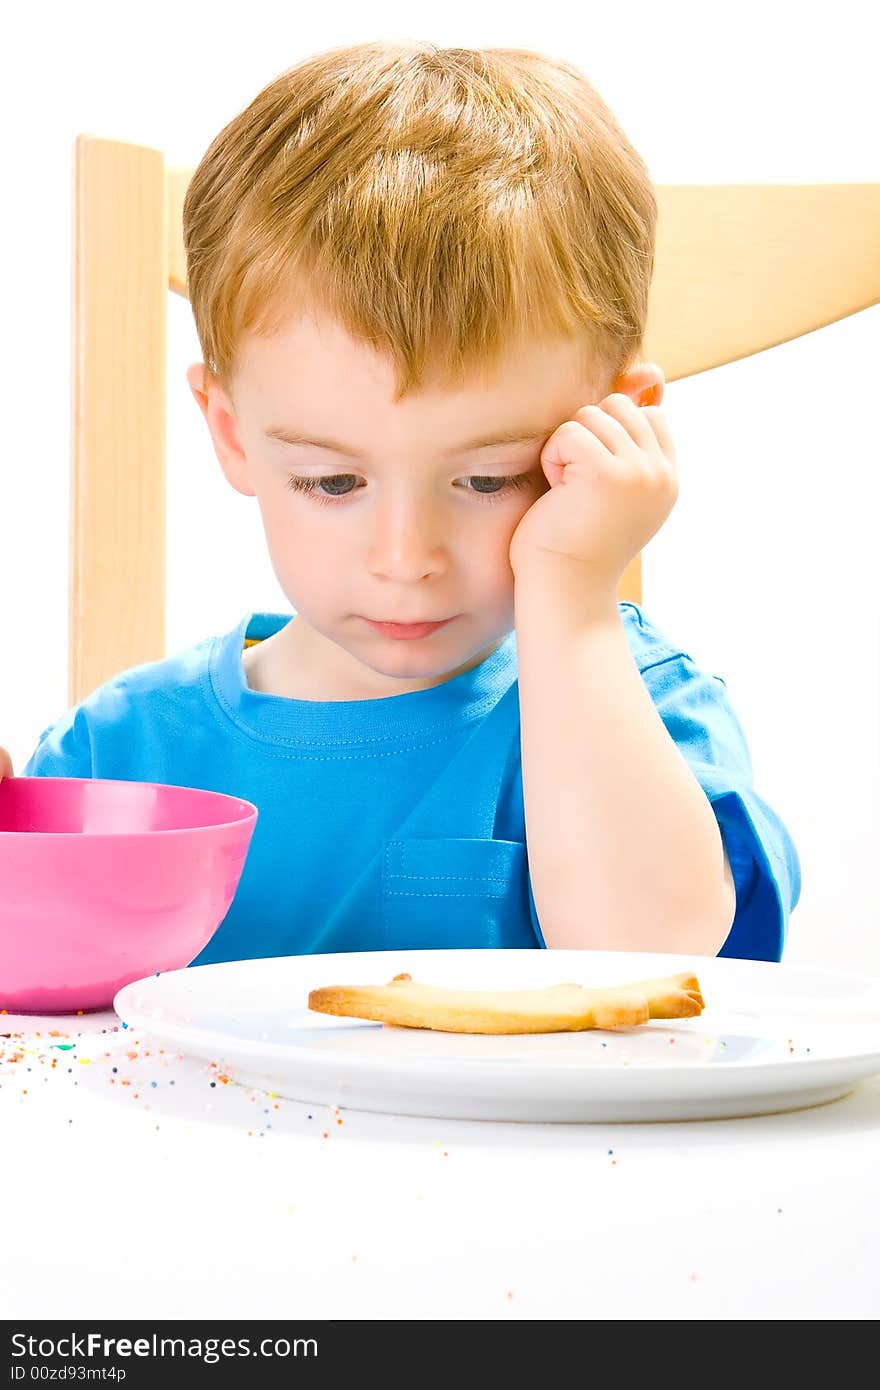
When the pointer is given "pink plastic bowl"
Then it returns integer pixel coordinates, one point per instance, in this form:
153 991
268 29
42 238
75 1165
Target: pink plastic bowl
102 883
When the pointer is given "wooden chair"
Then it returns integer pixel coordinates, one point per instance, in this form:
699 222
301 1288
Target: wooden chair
739 268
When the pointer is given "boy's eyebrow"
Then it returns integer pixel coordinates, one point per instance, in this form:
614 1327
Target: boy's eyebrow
521 434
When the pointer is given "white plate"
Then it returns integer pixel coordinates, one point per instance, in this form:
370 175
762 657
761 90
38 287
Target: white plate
772 1037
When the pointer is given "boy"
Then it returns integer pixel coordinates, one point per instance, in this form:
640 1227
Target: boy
420 280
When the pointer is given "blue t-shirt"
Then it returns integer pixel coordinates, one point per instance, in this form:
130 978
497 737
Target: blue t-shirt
399 822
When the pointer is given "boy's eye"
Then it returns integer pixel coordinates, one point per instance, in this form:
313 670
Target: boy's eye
342 485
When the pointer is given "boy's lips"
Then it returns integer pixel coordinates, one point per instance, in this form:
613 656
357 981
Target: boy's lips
408 622
397 629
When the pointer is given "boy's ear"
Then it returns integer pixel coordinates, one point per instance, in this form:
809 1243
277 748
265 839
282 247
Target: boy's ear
219 414
644 383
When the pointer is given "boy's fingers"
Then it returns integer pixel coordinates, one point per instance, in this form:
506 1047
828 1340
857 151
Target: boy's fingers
5 764
660 425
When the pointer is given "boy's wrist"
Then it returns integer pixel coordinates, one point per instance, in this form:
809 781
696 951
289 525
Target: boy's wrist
555 582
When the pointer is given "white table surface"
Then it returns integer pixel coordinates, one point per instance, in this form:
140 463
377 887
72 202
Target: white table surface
133 1187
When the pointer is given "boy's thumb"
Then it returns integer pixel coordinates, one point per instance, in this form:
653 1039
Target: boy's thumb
5 764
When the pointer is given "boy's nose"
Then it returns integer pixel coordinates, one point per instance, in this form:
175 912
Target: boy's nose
406 541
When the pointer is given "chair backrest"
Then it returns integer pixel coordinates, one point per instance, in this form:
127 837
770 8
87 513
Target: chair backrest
739 268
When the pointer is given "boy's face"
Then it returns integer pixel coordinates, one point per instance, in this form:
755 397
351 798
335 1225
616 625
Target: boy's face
414 523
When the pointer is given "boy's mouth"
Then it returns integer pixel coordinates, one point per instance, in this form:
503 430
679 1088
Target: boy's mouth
406 630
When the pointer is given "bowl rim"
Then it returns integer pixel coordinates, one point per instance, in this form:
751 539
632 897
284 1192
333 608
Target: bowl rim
248 812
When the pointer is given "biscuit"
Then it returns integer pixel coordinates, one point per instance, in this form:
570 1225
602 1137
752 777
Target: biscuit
557 1009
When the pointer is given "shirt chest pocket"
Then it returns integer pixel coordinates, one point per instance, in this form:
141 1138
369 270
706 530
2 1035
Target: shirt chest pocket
455 894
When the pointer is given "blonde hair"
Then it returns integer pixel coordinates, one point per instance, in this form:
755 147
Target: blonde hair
442 204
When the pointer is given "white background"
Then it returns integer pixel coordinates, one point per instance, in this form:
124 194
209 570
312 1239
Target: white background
765 572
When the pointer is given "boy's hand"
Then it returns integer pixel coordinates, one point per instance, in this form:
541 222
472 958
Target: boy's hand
611 470
5 765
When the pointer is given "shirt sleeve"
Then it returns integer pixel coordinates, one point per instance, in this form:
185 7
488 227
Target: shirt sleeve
696 710
64 749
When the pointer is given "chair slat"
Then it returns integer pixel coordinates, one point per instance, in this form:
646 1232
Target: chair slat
120 294
741 268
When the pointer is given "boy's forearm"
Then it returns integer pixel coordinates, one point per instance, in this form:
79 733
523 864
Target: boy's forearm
624 849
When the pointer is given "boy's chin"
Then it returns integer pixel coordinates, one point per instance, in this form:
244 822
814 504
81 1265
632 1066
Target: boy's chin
418 664
424 659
